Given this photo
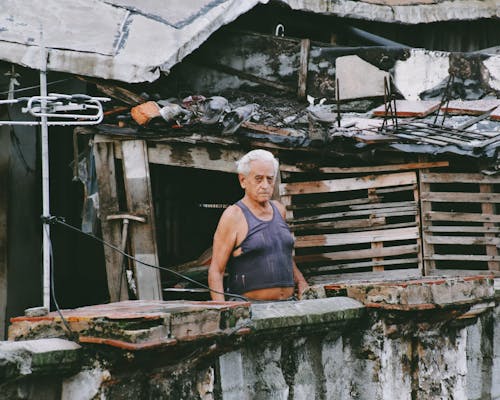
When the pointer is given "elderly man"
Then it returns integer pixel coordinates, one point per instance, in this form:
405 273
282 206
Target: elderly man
253 241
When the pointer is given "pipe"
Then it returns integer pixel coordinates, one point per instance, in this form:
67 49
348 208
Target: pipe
375 39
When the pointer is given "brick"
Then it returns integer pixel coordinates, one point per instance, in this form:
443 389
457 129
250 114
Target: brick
409 108
470 107
143 113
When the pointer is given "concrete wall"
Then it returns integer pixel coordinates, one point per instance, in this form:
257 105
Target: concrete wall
414 355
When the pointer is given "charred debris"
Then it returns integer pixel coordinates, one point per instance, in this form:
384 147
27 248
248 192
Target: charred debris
342 110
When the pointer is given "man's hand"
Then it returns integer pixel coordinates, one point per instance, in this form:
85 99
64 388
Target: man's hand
302 286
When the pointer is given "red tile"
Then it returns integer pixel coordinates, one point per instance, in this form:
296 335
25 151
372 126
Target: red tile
409 108
470 107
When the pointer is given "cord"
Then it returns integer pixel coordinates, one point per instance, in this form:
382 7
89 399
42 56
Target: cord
59 220
53 290
34 87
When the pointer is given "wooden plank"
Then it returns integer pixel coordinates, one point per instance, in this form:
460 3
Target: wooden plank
305 45
329 204
460 217
465 257
374 206
416 199
182 155
425 209
343 224
459 272
462 229
394 189
111 230
368 170
376 213
461 197
397 274
365 264
142 235
5 148
348 184
462 178
338 239
358 254
488 208
463 240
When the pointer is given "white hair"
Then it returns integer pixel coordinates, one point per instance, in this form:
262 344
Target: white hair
243 164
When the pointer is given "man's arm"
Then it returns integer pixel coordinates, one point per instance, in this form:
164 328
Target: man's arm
224 243
298 278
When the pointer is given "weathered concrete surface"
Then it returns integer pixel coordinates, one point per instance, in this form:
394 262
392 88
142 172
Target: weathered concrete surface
129 41
291 315
44 356
417 340
139 324
358 78
404 11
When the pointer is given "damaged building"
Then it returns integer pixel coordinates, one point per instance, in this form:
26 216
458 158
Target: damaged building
385 117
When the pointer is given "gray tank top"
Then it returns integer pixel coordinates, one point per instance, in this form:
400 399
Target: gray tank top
266 258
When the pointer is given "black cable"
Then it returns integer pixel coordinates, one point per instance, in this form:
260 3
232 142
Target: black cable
53 290
59 220
34 87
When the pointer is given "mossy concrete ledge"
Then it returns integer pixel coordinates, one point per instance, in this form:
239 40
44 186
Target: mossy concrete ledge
305 314
38 357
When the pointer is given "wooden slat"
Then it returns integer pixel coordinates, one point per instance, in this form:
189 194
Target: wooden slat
459 272
462 178
464 257
463 240
111 230
460 217
329 204
365 264
376 213
369 170
348 184
357 237
358 254
425 209
461 197
462 229
397 274
342 224
488 208
395 204
183 155
305 45
142 235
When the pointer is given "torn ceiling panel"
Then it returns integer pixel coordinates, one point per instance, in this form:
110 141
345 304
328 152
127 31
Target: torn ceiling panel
402 11
127 40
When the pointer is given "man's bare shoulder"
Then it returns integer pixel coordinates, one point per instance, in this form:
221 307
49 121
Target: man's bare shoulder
231 215
281 207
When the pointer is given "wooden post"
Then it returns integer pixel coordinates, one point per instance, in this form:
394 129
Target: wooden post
4 180
305 45
140 202
372 195
108 205
491 249
427 249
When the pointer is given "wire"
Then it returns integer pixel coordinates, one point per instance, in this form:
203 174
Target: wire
34 87
53 290
59 220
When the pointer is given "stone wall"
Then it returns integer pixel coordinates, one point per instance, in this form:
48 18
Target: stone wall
443 343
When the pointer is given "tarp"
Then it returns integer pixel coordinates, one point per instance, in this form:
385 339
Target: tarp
126 40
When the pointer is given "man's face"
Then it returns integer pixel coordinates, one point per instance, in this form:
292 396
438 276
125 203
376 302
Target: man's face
259 183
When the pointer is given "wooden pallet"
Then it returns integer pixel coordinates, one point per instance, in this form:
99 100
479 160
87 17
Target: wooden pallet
460 222
355 225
